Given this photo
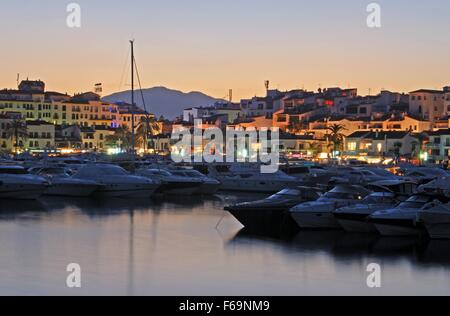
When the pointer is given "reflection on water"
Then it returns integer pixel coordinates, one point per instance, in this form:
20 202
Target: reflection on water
174 246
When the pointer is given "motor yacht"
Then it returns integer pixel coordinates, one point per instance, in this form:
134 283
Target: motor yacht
402 220
353 218
319 214
400 187
171 184
387 194
436 219
117 182
63 184
360 176
440 185
210 186
250 179
423 175
16 183
273 212
309 173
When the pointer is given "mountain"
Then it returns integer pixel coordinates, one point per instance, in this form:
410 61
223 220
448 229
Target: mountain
164 101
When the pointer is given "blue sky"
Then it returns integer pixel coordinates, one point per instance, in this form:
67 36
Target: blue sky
215 45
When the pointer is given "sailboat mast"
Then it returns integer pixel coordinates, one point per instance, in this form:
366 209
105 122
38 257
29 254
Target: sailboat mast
132 98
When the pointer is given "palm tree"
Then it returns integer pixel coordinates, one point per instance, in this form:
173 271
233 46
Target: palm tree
397 148
419 145
121 136
17 130
147 128
315 148
336 136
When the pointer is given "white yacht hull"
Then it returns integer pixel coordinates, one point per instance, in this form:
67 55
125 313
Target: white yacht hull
262 186
438 231
71 190
179 188
355 226
388 230
21 191
436 224
128 191
319 220
207 189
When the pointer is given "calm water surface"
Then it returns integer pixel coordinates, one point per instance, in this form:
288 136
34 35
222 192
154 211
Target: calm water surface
175 247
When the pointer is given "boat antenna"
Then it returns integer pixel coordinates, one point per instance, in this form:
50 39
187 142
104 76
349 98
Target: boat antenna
132 99
147 114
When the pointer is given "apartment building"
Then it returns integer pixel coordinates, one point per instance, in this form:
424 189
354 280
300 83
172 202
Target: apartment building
381 143
438 146
428 104
41 137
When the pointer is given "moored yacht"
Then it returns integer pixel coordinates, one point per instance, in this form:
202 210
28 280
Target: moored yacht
209 186
402 220
250 179
117 182
387 194
171 184
63 184
273 213
436 219
354 218
319 214
441 185
16 183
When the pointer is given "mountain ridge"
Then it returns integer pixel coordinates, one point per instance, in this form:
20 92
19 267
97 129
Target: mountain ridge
163 101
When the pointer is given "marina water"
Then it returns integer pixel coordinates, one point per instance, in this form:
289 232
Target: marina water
184 246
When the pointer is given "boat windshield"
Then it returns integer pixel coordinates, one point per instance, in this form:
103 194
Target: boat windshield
415 202
285 193
53 171
102 171
163 173
179 173
194 174
342 196
379 199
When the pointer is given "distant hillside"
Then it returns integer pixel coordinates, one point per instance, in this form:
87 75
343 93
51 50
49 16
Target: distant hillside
163 101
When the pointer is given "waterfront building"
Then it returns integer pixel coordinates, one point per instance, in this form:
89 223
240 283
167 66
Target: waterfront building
41 137
68 138
429 104
381 143
438 146
96 138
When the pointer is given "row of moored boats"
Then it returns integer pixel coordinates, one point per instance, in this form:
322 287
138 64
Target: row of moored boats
413 204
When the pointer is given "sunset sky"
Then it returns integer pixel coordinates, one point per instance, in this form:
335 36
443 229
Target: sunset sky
214 45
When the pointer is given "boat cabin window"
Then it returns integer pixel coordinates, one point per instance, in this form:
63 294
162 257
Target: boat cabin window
13 171
160 173
380 199
194 174
102 171
343 196
222 168
52 171
179 173
289 192
298 170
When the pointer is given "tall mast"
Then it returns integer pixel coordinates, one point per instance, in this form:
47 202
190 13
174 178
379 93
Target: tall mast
132 98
